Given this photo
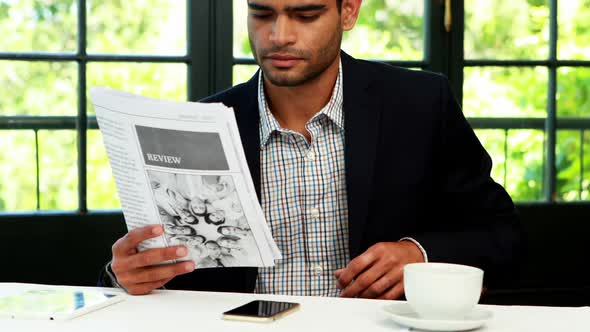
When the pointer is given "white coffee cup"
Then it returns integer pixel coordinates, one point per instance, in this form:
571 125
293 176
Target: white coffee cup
441 290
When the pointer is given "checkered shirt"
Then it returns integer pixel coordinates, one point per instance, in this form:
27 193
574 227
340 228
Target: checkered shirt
303 196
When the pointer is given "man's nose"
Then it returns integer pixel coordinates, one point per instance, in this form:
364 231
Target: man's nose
282 33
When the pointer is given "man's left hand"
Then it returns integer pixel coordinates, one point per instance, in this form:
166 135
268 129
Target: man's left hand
378 273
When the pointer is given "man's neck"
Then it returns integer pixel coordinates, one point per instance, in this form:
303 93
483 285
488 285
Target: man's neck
293 107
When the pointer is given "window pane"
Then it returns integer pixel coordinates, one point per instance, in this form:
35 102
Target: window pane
505 92
494 142
18 183
574 29
573 92
506 29
524 176
38 26
568 165
385 30
137 27
102 192
243 73
241 43
165 81
58 172
388 30
38 88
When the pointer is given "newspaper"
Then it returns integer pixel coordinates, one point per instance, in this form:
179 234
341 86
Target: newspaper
181 165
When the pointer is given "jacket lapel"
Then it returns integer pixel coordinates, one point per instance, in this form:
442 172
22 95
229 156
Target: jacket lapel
248 119
361 119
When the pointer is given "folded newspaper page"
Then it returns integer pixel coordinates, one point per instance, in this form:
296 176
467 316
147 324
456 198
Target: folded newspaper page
182 165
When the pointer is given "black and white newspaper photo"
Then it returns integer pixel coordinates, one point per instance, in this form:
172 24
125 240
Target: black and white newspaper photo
182 165
204 213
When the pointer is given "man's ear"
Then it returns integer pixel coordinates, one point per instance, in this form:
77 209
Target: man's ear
350 13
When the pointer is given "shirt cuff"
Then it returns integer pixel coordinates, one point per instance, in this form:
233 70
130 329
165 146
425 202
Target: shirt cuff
419 247
111 275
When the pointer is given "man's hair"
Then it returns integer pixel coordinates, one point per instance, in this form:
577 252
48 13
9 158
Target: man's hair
211 242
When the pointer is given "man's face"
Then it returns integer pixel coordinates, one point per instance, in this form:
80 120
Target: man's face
228 230
186 216
294 41
213 249
217 216
198 206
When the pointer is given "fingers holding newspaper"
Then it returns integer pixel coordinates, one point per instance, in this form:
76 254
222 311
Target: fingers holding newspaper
182 178
137 272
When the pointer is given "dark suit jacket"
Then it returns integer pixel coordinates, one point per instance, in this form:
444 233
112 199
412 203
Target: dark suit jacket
414 167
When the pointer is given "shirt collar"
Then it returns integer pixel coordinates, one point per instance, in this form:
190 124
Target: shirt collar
269 124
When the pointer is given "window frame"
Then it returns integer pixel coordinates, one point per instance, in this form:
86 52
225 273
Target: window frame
444 53
207 72
550 125
434 43
209 59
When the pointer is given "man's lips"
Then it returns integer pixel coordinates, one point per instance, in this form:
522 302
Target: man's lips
283 60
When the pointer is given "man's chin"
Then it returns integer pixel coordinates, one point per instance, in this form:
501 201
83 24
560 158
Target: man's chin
284 78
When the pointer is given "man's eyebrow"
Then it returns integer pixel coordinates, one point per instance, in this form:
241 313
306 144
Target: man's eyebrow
305 8
256 6
302 8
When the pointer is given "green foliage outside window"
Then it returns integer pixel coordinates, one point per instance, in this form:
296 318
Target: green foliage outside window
519 30
495 29
49 89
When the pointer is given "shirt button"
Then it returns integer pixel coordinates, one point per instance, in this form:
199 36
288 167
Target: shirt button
310 156
318 270
315 213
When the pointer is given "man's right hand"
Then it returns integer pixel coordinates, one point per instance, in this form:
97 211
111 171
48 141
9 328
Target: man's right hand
135 271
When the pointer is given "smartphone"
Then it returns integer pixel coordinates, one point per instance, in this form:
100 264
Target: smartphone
261 311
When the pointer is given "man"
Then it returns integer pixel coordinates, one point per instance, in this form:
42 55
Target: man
361 168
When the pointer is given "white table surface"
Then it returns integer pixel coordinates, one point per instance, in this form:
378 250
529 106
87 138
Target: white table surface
169 311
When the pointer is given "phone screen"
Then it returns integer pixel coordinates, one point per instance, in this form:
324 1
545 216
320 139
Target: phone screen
263 309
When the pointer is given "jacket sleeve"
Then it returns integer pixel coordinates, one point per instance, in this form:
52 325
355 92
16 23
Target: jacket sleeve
107 278
479 224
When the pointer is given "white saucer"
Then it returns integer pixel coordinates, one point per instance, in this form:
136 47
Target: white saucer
402 314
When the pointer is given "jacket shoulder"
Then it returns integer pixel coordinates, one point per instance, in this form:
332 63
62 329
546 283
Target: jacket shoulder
230 97
403 78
